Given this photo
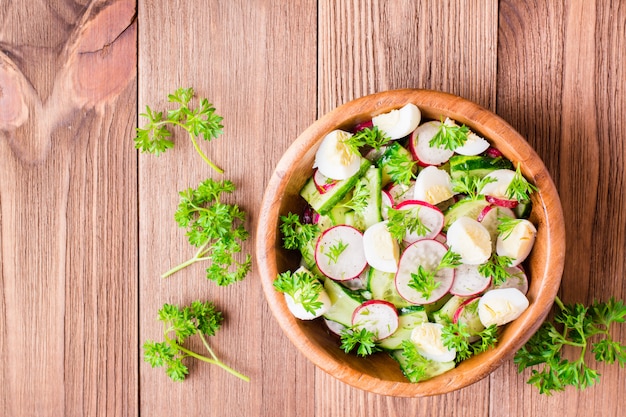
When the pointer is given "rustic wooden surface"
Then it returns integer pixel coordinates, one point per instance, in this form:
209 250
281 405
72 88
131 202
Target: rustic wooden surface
86 224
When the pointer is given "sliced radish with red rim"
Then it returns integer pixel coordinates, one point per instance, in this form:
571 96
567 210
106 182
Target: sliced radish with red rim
419 145
339 253
430 216
322 182
377 316
517 279
468 281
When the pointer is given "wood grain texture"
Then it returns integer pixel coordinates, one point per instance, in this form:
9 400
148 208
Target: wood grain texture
68 203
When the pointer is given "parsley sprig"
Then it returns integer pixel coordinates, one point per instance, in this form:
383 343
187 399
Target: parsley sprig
334 251
496 267
416 367
401 221
506 225
424 281
519 189
587 329
470 185
216 229
369 136
401 166
359 338
449 136
179 324
200 121
302 286
457 336
296 234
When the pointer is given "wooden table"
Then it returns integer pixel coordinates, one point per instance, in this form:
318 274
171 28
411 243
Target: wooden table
86 224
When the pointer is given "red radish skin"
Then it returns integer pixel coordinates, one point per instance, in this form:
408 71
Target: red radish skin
493 152
378 316
322 182
459 311
502 202
351 262
363 125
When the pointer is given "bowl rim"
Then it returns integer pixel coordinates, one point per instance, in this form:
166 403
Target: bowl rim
492 127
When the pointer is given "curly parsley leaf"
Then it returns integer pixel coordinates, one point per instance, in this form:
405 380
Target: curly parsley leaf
416 367
496 268
200 319
296 234
401 166
470 185
216 229
401 221
303 287
449 136
519 189
201 121
369 136
359 338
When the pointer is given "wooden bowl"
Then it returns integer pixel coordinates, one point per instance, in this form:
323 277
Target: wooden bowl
379 373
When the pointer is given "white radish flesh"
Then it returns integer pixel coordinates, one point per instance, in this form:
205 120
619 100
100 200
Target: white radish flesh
334 158
430 216
400 122
377 316
419 145
428 254
518 242
340 264
501 306
470 239
468 281
427 340
381 249
433 185
517 279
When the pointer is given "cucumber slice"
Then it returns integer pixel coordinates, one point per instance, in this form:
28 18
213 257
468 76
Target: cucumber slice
433 369
383 287
465 208
371 214
343 302
477 166
323 203
393 149
406 322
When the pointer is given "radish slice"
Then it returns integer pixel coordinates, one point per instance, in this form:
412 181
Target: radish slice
489 216
501 306
322 182
400 122
339 253
381 249
420 147
400 192
429 215
334 158
517 279
518 242
386 202
470 240
377 316
468 281
359 283
300 312
363 125
501 180
427 340
441 238
334 327
502 202
474 145
433 185
428 254
493 152
467 314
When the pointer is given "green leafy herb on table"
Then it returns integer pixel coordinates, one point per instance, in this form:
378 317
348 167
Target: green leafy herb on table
216 229
179 324
202 121
587 329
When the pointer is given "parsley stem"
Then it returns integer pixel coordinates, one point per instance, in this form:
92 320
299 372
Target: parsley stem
213 362
196 258
203 156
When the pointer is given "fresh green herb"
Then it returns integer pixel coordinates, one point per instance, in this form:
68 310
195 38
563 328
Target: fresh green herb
296 235
470 185
360 197
334 251
400 165
519 189
216 229
179 324
416 368
401 221
506 226
582 328
457 336
369 136
154 137
303 287
424 280
360 338
496 268
449 136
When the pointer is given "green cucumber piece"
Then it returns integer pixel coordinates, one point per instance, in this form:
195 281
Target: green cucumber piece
477 166
465 208
343 302
395 147
371 214
382 285
432 370
323 203
406 323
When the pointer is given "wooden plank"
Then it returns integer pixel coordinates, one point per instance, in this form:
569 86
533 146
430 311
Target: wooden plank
560 74
373 46
68 210
255 61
